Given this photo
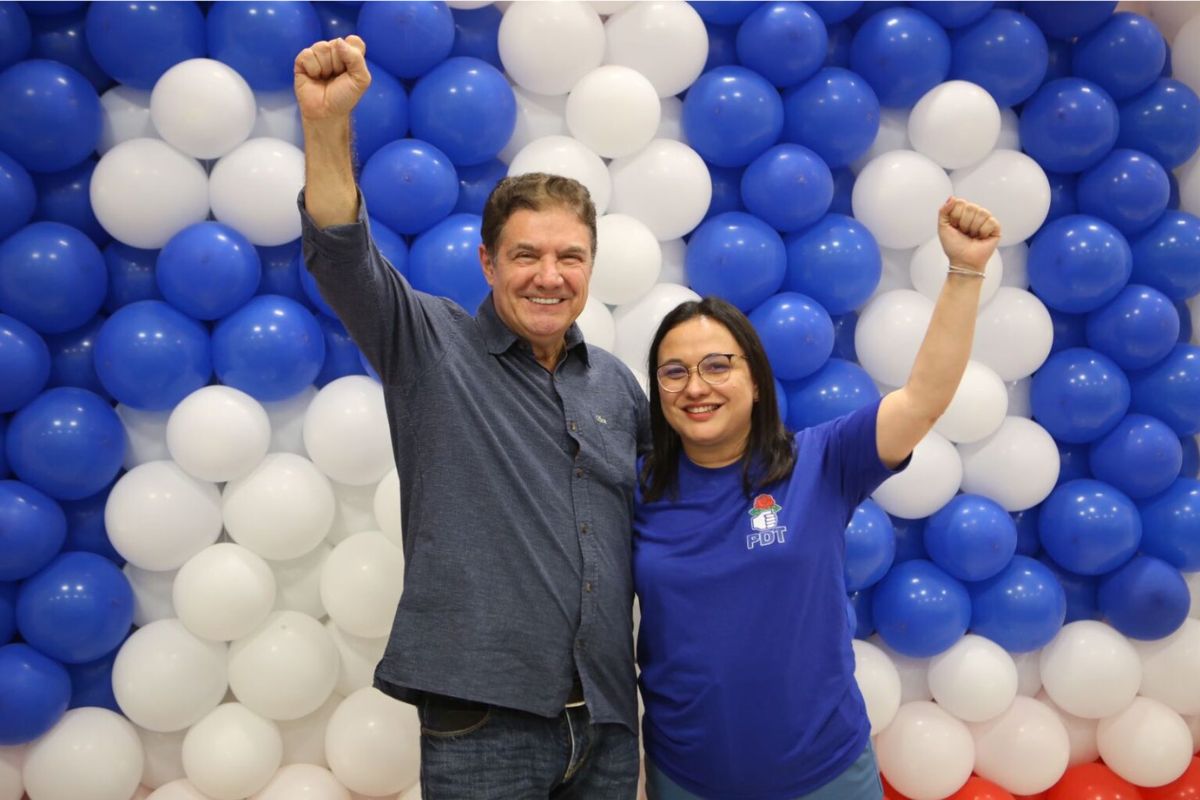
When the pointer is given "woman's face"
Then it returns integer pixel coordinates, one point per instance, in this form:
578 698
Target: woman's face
712 421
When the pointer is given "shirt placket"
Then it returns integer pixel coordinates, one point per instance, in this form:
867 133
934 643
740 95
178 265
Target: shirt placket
581 478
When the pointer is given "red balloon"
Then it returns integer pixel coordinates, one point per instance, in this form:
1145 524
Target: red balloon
1185 787
1093 782
1038 796
889 791
976 788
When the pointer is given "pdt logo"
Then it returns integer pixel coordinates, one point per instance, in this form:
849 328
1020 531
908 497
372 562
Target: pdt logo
764 523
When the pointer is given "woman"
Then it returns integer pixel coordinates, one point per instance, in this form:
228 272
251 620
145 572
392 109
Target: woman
747 672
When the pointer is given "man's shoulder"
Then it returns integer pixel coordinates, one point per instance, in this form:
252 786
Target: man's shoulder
609 367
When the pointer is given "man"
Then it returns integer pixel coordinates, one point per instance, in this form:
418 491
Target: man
516 447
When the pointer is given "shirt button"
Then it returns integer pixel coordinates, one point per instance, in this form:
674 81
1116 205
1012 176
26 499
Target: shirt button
587 587
574 427
579 472
583 528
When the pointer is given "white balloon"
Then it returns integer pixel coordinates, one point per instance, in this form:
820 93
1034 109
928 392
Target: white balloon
878 682
144 191
914 672
608 7
895 273
282 509
929 481
284 669
145 435
1019 404
979 406
278 117
373 743
224 592
1010 130
538 115
666 186
1025 749
955 123
361 584
628 259
346 431
1147 743
165 678
889 333
1015 260
1080 731
1013 187
674 253
232 752
1193 723
298 582
1193 582
218 433
90 754
975 680
1170 667
151 594
1187 44
355 511
925 753
562 155
287 422
164 756
930 265
158 516
1029 674
125 115
613 110
897 196
358 659
203 107
547 47
597 326
386 505
12 785
892 135
670 124
1189 175
1090 670
1013 334
178 790
304 738
253 190
303 782
667 42
637 321
1017 466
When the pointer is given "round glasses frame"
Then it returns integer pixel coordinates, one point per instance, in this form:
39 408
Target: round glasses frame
714 369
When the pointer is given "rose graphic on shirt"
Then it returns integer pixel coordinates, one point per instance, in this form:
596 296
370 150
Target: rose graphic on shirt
764 514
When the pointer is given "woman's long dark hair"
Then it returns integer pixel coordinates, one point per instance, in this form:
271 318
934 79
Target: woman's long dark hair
770 451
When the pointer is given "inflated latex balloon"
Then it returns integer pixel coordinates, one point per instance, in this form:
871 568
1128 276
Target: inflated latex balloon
1079 395
731 115
1170 390
309 781
1136 329
1141 456
144 192
667 186
929 481
166 679
1127 189
223 592
1090 670
125 115
361 584
562 155
614 110
1123 56
1069 125
137 43
91 754
930 266
547 48
285 668
1167 667
372 743
1003 52
628 260
261 41
52 277
1013 187
225 772
788 186
666 42
738 257
925 753
837 388
1145 598
978 408
218 433
1163 122
835 261
270 348
203 108
538 115
158 516
25 361
835 113
253 189
1016 466
637 322
897 196
956 124
1160 255
879 683
465 108
150 356
1021 608
54 115
890 330
902 53
1147 743
919 610
1167 522
345 432
208 270
1025 749
282 509
1089 527
975 680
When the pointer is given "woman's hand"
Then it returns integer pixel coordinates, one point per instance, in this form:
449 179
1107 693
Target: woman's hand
969 233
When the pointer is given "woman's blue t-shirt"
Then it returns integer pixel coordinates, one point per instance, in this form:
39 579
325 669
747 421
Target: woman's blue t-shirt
747 672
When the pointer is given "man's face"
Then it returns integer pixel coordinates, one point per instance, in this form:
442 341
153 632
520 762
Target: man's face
540 274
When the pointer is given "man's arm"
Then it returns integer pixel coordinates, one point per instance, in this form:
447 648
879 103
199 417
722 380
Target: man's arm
969 236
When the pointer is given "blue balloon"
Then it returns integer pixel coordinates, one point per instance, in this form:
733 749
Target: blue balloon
476 34
919 610
91 683
409 185
77 609
870 546
338 19
953 13
16 35
1141 456
85 527
725 12
1021 608
843 192
1170 390
24 363
270 348
910 538
51 8
835 114
726 190
836 262
1190 468
207 270
1089 527
837 50
851 617
971 537
1028 543
864 620
34 693
1072 463
64 197
1070 330
33 528
1170 520
1123 56
1078 263
1163 122
781 400
1058 60
1128 189
1069 125
381 116
738 257
282 267
1062 195
1004 52
1145 599
722 45
1173 203
1079 395
150 356
8 612
788 186
407 38
4 473
1166 254
136 43
72 358
796 333
1066 19
130 275
261 39
67 442
782 41
1080 591
835 11
731 115
902 53
475 184
837 388
843 336
61 38
52 115
465 108
1136 329
52 277
445 261
342 356
18 196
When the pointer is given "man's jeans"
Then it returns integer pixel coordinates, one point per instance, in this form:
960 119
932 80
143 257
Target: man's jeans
475 752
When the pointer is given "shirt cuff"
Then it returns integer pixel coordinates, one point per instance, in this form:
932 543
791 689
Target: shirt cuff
335 240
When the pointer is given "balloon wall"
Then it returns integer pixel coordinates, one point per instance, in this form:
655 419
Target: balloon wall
199 513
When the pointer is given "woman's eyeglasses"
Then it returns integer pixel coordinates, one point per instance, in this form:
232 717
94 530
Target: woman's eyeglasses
713 369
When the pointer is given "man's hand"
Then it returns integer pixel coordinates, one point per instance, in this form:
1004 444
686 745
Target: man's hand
969 233
330 77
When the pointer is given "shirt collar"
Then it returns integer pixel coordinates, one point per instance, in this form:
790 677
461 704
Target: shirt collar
498 337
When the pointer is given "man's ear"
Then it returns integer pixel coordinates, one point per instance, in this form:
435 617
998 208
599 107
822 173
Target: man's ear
489 267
